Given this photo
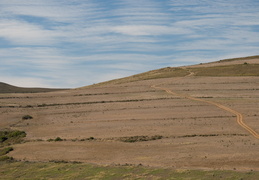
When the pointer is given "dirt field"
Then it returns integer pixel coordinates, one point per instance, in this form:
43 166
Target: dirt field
135 123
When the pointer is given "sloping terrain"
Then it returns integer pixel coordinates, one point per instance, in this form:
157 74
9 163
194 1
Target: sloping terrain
185 117
228 67
6 88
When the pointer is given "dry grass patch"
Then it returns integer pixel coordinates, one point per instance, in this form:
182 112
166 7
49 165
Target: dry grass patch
167 72
239 59
230 70
66 170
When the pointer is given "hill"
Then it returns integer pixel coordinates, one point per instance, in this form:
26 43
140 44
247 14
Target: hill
244 66
202 116
6 88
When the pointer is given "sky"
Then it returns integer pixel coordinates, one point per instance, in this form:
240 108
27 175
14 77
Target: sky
74 43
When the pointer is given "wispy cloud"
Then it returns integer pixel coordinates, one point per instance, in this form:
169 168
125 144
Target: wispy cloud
149 30
75 43
23 33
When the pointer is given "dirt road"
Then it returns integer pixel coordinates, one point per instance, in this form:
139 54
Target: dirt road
239 116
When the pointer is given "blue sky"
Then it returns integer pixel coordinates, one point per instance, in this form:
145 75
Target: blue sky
73 43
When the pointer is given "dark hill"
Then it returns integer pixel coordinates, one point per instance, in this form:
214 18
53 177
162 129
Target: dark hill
6 88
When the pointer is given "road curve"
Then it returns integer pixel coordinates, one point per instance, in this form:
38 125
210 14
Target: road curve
239 116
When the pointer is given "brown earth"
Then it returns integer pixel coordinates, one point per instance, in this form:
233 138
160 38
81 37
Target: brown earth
193 131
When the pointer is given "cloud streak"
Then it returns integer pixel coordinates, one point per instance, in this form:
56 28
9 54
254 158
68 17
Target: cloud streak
75 43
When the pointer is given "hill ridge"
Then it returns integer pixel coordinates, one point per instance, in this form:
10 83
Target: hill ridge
7 88
233 65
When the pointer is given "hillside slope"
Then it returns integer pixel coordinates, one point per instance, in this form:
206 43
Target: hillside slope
244 66
6 88
193 117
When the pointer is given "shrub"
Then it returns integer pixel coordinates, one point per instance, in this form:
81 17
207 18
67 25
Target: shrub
59 161
156 137
90 138
26 117
58 139
11 136
3 138
5 151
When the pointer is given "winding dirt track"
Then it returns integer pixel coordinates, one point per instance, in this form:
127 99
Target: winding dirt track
239 116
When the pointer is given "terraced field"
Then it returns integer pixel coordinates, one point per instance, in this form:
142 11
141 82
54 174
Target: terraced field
136 120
